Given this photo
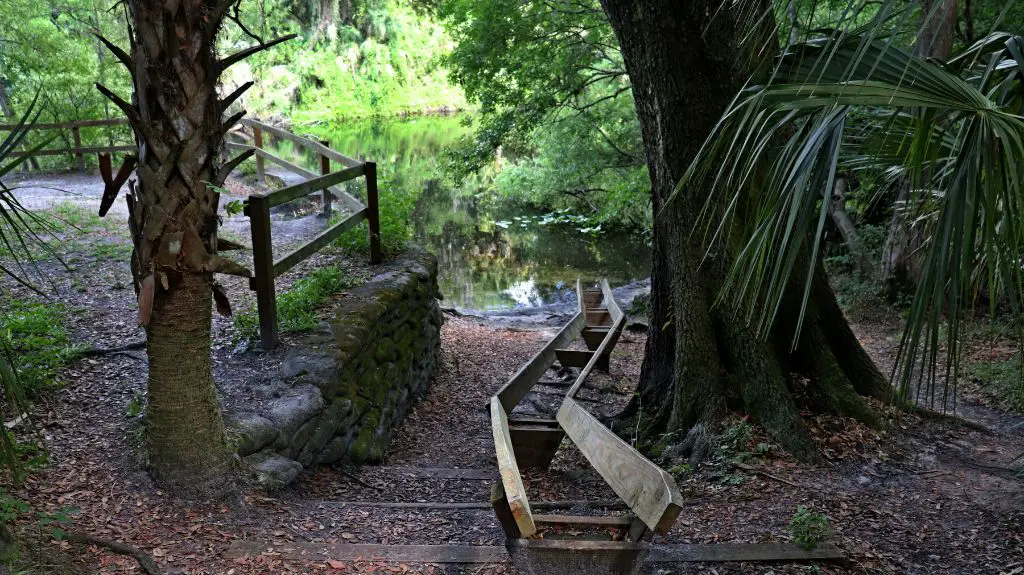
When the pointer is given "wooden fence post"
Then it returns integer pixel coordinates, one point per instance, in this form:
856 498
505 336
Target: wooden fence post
76 135
372 212
258 210
325 168
257 137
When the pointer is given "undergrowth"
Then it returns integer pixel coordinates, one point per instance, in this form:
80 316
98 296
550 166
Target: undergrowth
34 333
1001 381
297 308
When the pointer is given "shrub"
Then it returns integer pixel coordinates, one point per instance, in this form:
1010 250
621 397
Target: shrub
809 528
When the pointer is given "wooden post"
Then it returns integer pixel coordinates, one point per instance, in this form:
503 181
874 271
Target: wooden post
258 210
325 168
257 137
76 135
372 212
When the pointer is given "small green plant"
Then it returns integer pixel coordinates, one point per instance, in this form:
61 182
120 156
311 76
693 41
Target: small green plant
735 442
297 307
233 208
135 404
641 305
56 522
681 472
809 528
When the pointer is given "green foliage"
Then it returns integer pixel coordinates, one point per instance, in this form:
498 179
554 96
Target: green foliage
557 128
1000 381
370 58
952 132
298 306
395 204
809 528
641 305
34 333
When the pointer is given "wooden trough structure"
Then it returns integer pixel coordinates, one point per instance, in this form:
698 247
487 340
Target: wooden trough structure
648 491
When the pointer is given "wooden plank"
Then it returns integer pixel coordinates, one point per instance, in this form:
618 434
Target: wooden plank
682 553
262 282
501 510
574 357
314 184
257 136
316 244
741 552
598 317
76 135
320 552
648 490
313 145
76 151
325 168
469 505
554 557
600 357
439 473
373 213
69 125
535 445
602 521
350 202
511 480
523 381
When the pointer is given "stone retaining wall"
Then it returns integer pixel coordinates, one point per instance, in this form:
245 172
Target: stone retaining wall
344 388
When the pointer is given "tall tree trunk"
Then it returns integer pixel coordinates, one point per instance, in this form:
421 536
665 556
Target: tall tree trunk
686 61
176 117
843 222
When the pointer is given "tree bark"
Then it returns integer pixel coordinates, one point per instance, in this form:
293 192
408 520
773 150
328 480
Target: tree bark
842 221
176 118
686 61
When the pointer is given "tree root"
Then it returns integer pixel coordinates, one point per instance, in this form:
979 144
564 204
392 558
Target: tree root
145 560
130 346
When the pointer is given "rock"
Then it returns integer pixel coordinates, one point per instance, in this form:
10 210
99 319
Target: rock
291 411
253 432
273 472
315 367
326 426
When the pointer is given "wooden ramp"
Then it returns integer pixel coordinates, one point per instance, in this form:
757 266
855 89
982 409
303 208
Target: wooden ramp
648 491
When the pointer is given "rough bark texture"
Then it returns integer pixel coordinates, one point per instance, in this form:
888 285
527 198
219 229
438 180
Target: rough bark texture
686 61
176 117
843 222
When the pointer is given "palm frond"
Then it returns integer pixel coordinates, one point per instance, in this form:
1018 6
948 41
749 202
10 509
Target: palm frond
951 131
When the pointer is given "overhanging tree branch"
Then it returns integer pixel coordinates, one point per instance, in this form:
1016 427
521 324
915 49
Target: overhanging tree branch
242 55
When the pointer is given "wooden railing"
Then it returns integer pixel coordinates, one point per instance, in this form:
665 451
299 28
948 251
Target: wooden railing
77 151
265 267
257 206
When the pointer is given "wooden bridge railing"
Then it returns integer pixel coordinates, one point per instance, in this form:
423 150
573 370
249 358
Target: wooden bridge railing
257 207
77 151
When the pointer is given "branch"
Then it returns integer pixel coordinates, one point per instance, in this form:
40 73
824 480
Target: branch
242 55
147 562
119 53
230 98
231 164
230 122
131 113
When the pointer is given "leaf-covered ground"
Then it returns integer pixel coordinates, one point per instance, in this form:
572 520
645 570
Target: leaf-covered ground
918 496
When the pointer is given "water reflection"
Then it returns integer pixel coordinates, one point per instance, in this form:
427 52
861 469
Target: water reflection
491 256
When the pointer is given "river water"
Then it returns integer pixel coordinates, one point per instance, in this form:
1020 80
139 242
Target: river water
491 256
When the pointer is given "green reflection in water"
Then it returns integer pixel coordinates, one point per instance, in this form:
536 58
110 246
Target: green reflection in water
491 256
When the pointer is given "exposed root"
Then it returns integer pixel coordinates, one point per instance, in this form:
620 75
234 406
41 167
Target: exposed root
145 560
130 346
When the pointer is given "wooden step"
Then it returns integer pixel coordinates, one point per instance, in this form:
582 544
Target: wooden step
580 358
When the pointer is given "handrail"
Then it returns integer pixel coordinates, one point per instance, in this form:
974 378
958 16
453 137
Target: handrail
523 381
311 144
78 151
508 469
646 488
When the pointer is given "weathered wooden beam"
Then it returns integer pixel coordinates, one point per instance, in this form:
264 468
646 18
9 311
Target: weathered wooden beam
285 195
535 444
648 489
620 521
580 358
69 125
511 480
77 151
262 282
316 244
523 381
373 213
482 554
313 145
